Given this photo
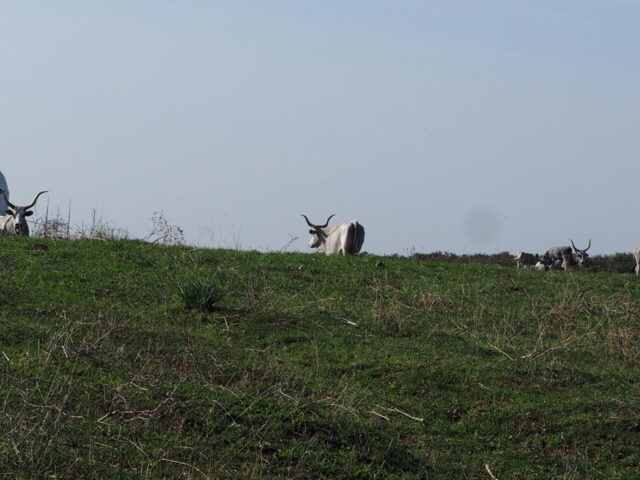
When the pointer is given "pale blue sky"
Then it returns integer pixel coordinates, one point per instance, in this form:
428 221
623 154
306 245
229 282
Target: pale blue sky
463 126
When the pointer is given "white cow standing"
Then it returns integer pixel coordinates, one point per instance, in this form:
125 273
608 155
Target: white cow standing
4 188
636 257
340 240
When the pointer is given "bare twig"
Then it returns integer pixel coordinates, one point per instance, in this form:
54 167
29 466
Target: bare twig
348 322
288 396
397 410
164 233
342 407
503 352
138 447
288 244
68 219
108 414
373 412
493 477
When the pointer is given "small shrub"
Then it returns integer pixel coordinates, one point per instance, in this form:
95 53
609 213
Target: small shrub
163 233
201 291
58 227
100 229
51 227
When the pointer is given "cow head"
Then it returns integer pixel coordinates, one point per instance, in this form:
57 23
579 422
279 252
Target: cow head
580 256
317 233
20 214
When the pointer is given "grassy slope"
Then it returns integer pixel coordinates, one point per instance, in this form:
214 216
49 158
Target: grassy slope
103 373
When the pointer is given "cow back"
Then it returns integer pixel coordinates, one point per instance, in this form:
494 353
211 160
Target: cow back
343 239
5 189
555 253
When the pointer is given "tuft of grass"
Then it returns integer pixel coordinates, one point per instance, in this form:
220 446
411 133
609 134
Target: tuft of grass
201 291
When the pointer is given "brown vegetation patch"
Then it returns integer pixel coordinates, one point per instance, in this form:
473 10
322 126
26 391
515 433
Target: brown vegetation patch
434 301
626 340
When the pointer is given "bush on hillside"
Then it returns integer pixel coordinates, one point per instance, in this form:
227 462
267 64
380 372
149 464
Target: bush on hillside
503 258
618 263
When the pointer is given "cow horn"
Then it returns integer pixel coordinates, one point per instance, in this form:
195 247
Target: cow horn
326 224
308 222
35 199
577 249
7 200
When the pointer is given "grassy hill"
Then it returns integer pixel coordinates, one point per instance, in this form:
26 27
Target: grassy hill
311 367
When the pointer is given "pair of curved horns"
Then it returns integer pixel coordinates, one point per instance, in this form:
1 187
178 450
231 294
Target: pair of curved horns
318 226
577 249
4 195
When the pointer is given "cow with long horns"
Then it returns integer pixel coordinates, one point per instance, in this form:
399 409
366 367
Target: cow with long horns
567 256
578 258
339 240
15 220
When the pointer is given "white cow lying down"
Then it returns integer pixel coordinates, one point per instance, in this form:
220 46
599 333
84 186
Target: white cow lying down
526 260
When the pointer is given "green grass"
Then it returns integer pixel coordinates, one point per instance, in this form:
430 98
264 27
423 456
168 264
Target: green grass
201 290
312 367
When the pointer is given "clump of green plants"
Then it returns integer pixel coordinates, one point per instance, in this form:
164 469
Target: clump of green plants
202 291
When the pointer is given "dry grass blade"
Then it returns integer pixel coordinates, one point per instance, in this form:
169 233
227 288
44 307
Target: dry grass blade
493 477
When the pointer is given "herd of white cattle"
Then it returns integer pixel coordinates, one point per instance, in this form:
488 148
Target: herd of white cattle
563 258
348 239
344 239
556 258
